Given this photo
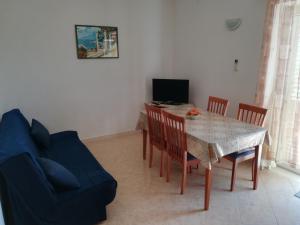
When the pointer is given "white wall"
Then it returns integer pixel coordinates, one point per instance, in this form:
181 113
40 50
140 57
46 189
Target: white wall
205 51
40 74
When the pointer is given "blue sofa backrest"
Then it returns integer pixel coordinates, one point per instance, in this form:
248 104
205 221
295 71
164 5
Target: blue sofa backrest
15 139
21 176
15 136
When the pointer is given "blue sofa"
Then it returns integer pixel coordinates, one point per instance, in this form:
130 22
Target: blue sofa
26 196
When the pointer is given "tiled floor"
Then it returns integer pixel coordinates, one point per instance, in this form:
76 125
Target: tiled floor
145 198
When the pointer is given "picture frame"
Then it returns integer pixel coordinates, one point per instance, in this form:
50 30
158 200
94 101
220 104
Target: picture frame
97 42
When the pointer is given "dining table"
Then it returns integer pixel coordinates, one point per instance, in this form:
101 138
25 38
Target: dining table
211 136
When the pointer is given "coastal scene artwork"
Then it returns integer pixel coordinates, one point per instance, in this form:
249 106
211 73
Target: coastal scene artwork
93 42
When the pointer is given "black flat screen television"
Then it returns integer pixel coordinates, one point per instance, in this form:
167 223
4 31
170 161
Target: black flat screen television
170 91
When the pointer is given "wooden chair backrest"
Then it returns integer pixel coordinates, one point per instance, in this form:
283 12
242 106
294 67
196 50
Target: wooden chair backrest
252 114
175 136
155 126
217 105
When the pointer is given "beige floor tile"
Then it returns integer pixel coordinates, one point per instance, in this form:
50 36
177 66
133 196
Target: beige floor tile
145 198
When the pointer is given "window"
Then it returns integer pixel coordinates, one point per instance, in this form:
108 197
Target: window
284 67
295 90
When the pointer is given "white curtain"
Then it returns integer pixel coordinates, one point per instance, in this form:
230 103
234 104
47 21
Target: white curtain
278 87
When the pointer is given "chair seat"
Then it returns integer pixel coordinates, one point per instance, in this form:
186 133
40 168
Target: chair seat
241 153
191 157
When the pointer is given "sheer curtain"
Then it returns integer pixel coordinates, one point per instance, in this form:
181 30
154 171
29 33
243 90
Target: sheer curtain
278 87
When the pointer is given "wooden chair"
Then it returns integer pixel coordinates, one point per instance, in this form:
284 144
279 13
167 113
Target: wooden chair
217 105
177 146
156 133
253 115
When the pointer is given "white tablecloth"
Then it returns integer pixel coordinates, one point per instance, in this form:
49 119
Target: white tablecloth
223 135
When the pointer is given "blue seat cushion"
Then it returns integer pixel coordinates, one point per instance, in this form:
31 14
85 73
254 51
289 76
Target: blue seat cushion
61 178
191 157
242 153
40 134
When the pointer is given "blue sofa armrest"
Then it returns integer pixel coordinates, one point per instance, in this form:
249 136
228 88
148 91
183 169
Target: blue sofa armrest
94 198
24 187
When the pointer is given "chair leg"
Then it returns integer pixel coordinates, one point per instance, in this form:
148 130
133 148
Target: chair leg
151 155
168 168
161 163
256 165
233 175
253 167
144 143
183 180
195 167
207 188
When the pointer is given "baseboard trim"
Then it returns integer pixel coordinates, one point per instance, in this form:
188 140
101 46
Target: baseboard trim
110 136
286 167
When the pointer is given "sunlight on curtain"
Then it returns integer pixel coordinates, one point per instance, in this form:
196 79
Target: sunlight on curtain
289 143
278 87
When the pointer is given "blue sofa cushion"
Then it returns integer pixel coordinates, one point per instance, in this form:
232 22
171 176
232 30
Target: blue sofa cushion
97 187
40 134
15 135
67 149
60 177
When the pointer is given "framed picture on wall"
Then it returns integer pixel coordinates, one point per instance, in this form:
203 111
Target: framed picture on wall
96 42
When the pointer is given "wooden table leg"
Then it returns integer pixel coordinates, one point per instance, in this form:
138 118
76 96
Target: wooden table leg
207 188
144 143
256 166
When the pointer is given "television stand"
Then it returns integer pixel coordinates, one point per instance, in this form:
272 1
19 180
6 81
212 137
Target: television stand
167 103
175 103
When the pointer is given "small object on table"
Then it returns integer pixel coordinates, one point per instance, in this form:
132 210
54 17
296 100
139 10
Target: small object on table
193 113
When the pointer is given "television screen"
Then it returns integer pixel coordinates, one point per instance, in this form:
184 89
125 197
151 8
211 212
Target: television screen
170 91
